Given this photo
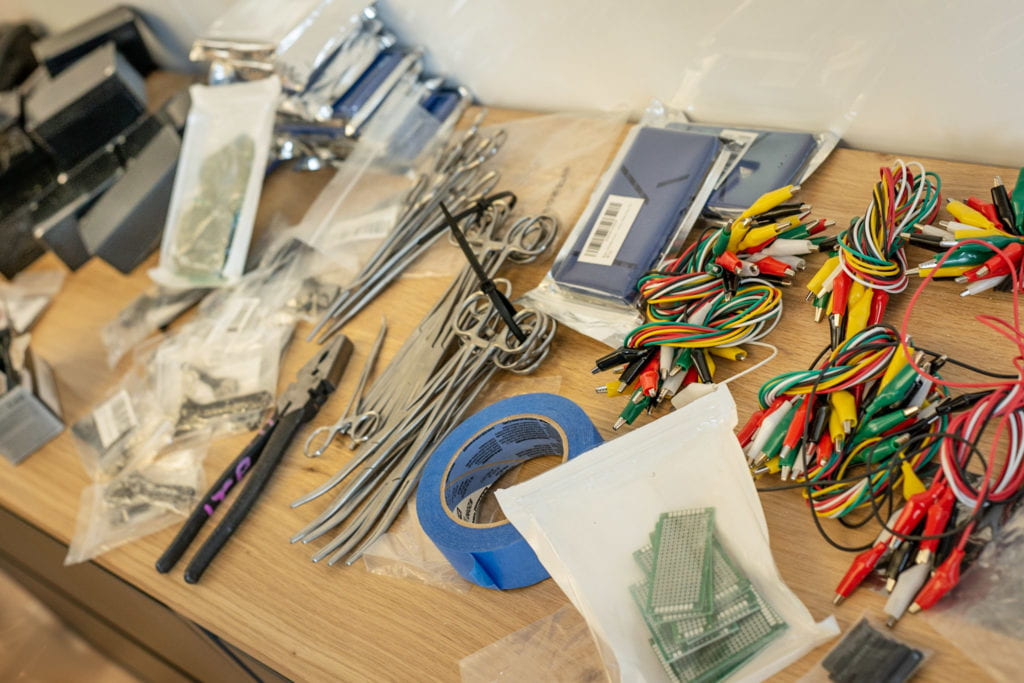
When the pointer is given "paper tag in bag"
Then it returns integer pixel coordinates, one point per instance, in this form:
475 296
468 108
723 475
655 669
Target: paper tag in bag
374 225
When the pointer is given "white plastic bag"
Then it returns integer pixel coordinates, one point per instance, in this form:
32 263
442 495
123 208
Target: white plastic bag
217 185
585 518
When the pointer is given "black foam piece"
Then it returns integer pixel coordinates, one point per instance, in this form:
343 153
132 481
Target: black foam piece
865 655
127 222
16 58
86 106
120 25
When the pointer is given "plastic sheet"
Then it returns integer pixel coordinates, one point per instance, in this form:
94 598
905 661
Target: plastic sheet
594 511
984 615
147 313
138 501
558 647
26 297
406 551
126 429
219 376
550 161
734 76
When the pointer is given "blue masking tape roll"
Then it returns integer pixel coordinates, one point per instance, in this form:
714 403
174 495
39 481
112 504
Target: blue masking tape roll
471 459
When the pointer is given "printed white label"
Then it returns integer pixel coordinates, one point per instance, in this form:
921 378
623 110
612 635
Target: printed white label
610 230
374 225
114 418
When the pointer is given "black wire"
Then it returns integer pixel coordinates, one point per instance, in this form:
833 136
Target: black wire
951 532
962 469
888 493
876 513
967 366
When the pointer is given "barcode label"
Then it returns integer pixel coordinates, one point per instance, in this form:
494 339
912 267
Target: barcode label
610 230
114 418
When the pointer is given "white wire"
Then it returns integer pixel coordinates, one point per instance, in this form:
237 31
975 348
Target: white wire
902 188
755 366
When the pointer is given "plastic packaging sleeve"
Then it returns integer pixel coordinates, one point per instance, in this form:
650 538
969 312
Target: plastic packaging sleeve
226 124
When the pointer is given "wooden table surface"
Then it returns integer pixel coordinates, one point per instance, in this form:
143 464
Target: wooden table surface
313 622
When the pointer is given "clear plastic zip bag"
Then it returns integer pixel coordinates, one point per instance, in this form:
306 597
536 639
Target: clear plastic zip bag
126 429
138 501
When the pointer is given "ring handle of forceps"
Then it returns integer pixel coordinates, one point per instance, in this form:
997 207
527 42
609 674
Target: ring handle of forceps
353 427
331 430
477 315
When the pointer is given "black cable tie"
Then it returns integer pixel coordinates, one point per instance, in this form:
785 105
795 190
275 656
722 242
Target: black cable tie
487 286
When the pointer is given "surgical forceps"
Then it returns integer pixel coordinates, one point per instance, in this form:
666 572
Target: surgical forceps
358 425
486 345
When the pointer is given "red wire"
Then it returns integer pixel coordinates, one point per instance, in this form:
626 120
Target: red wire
1013 333
1008 392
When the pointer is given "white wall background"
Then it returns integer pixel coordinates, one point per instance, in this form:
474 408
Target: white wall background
934 78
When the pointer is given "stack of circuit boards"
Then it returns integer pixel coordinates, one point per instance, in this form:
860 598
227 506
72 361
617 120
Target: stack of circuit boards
705 618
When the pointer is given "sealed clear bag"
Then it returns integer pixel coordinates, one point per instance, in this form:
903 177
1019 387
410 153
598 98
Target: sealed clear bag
640 212
217 185
316 40
146 314
218 376
138 501
127 428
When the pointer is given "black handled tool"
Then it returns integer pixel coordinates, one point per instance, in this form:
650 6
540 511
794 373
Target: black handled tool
299 404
